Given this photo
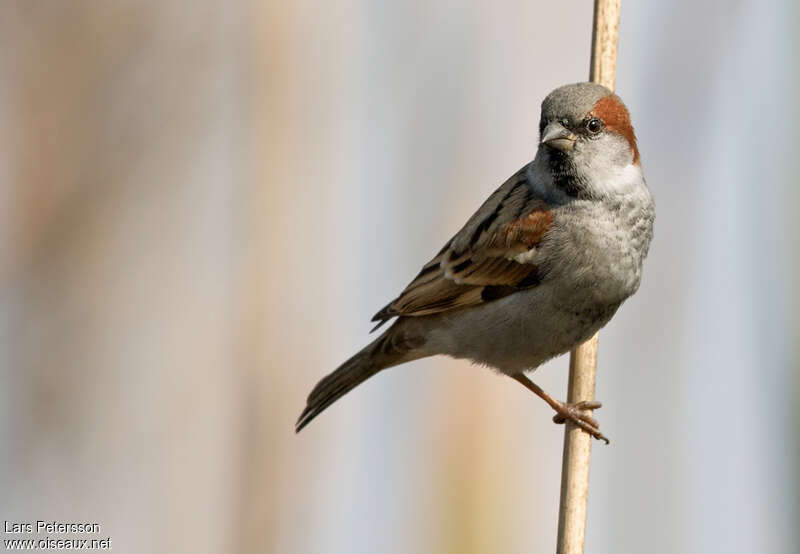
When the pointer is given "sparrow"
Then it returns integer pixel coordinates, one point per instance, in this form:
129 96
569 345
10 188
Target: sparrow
543 264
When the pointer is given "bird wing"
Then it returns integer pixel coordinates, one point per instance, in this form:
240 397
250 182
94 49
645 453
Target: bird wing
489 258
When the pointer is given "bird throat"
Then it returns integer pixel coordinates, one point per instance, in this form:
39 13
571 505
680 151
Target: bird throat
565 175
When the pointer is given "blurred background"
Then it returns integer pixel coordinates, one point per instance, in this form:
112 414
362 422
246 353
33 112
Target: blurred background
203 205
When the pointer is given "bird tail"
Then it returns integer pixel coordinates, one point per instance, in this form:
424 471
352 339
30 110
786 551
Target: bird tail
392 348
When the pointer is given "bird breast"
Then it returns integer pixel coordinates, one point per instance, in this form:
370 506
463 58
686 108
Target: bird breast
602 245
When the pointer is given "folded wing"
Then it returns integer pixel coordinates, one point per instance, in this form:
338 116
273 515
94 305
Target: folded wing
492 256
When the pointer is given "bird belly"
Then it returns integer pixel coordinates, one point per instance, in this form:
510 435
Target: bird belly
518 332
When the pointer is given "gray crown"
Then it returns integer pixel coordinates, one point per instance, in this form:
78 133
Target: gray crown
572 101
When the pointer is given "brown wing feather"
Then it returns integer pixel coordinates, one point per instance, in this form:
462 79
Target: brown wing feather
478 264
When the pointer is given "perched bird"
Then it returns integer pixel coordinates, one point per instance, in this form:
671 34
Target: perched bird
542 265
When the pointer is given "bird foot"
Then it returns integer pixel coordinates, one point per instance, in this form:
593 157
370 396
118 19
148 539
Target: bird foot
576 413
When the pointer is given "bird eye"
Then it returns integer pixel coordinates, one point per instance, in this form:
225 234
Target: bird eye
594 125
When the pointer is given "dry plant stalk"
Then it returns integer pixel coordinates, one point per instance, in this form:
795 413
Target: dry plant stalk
583 358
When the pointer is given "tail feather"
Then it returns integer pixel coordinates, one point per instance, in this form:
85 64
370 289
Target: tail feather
390 349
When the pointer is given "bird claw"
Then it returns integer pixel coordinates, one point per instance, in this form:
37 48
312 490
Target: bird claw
575 413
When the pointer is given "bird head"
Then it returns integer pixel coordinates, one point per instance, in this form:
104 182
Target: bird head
587 141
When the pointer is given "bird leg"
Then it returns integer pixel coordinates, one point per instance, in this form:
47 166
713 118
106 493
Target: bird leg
567 412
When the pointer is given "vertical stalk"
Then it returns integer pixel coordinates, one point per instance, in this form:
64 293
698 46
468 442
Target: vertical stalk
583 358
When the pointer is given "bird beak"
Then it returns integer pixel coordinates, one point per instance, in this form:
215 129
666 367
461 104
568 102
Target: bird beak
557 136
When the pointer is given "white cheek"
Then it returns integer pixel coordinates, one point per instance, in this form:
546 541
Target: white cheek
606 166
